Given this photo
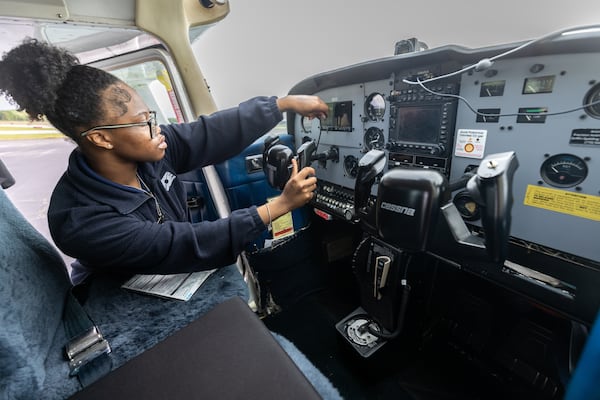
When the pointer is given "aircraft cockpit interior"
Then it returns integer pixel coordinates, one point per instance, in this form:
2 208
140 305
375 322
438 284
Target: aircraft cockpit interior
449 251
477 165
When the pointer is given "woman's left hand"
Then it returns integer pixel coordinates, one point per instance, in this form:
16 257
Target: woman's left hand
307 106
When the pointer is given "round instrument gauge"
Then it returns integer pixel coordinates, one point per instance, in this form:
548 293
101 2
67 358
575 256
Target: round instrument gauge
351 166
467 207
563 170
375 106
593 97
374 139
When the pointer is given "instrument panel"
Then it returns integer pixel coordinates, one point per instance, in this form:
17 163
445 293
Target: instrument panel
532 105
544 104
539 114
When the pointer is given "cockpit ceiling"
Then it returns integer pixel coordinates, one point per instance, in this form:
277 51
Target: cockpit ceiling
88 42
113 12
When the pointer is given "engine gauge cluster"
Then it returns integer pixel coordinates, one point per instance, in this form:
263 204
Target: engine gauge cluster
564 170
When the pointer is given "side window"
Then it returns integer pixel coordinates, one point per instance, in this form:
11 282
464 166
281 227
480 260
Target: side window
36 155
152 81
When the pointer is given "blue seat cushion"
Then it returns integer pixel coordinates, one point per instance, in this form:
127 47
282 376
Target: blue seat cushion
133 322
33 286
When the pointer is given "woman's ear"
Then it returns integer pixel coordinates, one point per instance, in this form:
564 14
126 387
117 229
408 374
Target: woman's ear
100 139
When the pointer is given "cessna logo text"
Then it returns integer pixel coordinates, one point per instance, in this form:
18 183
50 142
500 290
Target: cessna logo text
398 209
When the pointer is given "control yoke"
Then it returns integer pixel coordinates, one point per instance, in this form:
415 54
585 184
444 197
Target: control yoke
307 153
491 188
277 159
369 167
403 221
409 202
277 162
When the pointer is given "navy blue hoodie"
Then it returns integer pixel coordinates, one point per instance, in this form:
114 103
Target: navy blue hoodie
112 228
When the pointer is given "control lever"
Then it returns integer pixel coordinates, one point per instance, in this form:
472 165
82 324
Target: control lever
491 188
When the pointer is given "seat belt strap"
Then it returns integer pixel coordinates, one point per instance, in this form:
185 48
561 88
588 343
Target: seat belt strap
87 351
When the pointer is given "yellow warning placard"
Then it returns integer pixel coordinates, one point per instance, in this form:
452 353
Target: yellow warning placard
282 226
577 204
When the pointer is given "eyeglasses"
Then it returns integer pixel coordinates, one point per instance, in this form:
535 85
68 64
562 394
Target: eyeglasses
151 124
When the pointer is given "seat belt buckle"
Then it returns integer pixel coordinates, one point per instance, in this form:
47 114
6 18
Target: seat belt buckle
85 348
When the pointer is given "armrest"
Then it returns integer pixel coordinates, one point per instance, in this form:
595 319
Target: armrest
227 353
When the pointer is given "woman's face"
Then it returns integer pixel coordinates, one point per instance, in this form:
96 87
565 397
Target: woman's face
124 106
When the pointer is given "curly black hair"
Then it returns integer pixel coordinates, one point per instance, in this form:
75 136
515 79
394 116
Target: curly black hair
45 80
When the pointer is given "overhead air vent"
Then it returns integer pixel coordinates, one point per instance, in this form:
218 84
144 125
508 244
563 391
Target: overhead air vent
211 3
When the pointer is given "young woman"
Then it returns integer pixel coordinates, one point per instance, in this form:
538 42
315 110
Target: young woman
119 207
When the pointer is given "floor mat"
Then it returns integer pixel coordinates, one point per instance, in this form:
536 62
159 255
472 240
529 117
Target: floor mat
396 371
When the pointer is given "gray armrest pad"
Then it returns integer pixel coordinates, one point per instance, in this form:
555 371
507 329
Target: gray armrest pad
226 354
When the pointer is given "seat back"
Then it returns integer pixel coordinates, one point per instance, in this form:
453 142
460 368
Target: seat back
584 382
33 286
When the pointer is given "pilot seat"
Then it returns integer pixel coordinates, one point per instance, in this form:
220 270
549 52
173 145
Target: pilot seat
212 346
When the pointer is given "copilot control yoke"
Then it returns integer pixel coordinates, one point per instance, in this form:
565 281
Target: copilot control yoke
412 211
